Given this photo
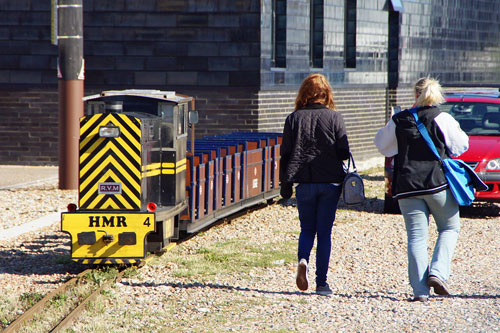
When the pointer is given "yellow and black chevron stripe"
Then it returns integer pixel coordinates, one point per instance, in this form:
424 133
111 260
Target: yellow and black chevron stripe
165 168
150 170
110 160
170 168
111 261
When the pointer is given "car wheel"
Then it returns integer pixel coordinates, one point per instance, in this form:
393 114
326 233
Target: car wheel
391 206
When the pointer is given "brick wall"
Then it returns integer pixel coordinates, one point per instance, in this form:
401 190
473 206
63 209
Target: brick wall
225 110
364 111
29 127
274 106
29 118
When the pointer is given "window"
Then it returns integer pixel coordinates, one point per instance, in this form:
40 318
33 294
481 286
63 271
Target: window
316 34
167 125
350 33
393 50
278 33
181 120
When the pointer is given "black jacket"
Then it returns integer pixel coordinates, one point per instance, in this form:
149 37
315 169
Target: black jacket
314 145
416 169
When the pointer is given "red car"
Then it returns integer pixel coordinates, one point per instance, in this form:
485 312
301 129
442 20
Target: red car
479 116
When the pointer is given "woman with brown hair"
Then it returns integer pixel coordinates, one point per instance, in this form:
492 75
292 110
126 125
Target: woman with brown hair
314 146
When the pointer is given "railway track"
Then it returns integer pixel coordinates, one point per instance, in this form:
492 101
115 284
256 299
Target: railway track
66 320
22 322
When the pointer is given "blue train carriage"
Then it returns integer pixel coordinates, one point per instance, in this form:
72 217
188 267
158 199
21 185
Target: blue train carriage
132 175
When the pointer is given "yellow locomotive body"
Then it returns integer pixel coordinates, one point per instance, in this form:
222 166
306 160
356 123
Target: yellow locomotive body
132 165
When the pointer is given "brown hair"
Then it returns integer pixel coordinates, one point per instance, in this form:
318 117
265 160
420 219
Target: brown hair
315 89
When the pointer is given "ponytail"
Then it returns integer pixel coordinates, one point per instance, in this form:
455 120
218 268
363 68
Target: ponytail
429 92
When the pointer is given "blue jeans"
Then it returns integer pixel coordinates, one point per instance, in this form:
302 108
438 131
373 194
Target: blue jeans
317 204
445 211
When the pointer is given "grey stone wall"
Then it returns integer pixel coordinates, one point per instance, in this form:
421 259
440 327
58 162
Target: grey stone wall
172 43
371 44
456 41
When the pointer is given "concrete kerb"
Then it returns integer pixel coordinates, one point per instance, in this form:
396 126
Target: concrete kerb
34 225
30 183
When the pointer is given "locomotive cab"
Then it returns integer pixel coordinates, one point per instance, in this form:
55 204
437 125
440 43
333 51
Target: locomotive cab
163 117
132 175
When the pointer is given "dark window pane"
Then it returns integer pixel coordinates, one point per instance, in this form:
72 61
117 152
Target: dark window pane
316 34
279 34
350 33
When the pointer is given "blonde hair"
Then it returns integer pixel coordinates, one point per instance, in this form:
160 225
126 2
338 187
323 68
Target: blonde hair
315 89
428 92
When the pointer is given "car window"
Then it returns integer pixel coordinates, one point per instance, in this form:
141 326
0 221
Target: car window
475 118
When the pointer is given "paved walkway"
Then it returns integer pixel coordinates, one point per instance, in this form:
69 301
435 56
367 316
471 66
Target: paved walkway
16 176
12 176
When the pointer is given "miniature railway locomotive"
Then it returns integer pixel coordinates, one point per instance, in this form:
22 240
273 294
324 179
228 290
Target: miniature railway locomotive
140 188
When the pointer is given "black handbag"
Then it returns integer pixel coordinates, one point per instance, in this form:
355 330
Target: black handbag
353 189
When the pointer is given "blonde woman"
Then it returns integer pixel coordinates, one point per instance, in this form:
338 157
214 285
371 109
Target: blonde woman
421 188
314 145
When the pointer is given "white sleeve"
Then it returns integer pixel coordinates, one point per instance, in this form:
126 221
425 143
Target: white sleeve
386 141
455 139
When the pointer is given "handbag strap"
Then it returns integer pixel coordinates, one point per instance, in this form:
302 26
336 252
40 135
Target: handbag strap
425 134
349 163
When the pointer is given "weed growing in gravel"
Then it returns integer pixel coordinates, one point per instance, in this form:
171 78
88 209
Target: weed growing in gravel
101 276
58 300
233 256
131 272
372 180
7 310
373 171
30 299
96 306
59 305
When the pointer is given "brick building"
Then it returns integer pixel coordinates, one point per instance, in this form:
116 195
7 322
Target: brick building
243 60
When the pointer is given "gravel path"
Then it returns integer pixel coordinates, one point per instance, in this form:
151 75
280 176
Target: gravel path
240 276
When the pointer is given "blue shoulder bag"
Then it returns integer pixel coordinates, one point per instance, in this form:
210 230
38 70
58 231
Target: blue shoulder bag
461 178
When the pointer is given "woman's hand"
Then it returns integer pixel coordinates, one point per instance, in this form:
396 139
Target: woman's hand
286 190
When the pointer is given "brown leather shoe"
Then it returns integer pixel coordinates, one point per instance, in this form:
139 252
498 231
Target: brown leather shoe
438 285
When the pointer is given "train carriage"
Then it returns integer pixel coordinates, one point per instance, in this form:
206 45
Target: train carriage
139 186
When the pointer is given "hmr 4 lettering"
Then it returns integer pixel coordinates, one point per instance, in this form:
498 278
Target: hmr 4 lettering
96 221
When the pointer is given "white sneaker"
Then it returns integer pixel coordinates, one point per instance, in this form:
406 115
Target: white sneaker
301 279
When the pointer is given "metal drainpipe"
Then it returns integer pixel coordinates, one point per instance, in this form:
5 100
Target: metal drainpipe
71 89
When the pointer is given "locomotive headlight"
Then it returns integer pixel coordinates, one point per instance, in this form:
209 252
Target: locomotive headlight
493 165
109 131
